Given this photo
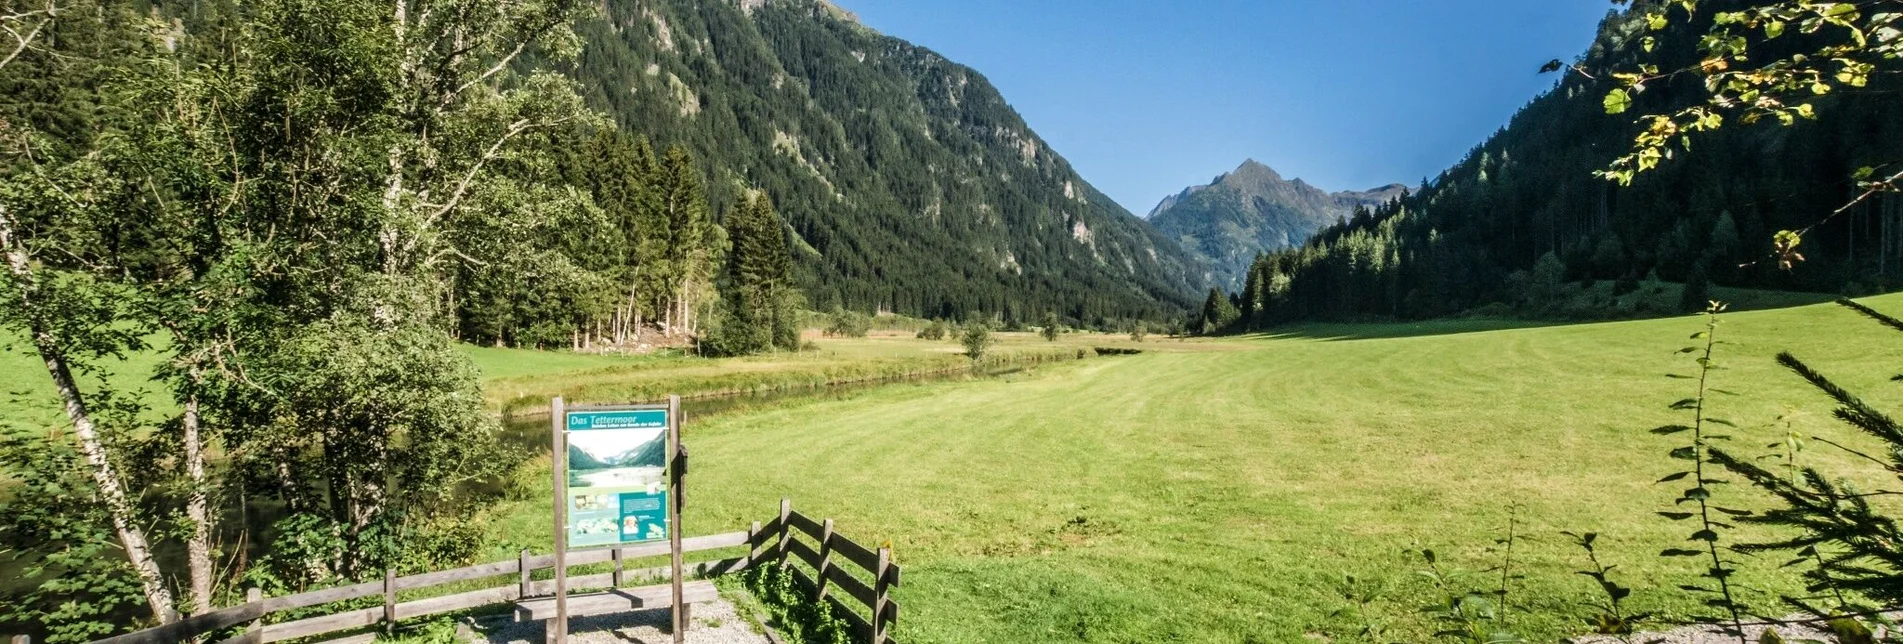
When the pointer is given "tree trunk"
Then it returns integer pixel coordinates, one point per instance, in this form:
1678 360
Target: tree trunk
197 509
111 489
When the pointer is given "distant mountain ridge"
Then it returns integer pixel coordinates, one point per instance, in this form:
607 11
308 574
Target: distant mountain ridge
1251 210
908 183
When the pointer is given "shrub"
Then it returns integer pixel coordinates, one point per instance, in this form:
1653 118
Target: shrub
935 331
977 340
848 324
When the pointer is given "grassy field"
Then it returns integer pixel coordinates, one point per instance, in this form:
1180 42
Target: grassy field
1220 495
1219 490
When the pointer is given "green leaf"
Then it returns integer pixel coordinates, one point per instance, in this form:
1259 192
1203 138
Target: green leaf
1618 101
1773 29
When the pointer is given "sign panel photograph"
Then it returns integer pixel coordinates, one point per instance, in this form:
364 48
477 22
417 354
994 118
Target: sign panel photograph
617 476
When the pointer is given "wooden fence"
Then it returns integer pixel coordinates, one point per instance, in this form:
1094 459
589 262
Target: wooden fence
772 542
827 575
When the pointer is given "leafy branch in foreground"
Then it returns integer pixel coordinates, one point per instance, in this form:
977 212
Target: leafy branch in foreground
1611 617
1766 62
1360 595
1698 451
1466 615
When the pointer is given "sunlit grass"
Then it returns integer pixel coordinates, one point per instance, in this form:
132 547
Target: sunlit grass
1220 496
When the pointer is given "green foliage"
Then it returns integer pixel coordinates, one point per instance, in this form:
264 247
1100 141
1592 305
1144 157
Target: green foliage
797 616
759 305
1138 331
1217 313
977 341
1050 328
935 331
269 190
71 580
1451 245
848 324
1752 72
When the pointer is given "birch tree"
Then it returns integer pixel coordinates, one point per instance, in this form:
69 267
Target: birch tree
51 205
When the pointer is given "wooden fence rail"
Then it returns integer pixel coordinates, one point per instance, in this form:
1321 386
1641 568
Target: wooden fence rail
772 542
828 576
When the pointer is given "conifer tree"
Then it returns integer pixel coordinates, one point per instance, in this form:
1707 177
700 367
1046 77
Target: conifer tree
759 306
688 244
1252 293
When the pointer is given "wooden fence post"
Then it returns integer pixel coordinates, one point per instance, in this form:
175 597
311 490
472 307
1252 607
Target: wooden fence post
619 581
786 524
389 600
825 556
254 632
524 587
879 590
753 544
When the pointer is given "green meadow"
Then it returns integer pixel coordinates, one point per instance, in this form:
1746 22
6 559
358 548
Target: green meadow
1222 491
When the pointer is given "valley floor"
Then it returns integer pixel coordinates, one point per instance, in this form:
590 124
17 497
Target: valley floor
1222 491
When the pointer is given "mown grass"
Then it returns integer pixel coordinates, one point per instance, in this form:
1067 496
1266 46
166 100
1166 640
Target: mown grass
1222 495
1219 490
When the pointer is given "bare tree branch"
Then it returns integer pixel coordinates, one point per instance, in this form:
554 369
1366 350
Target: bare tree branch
24 41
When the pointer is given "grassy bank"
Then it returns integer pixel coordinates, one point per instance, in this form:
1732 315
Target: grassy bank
1222 495
518 380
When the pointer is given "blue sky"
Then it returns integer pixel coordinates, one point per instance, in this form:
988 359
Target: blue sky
1145 98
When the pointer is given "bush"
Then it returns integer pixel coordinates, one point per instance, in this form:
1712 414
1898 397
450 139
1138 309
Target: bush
977 340
848 324
937 330
1051 328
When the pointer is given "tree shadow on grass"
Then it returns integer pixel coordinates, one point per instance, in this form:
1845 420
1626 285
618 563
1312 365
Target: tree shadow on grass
1735 299
1333 332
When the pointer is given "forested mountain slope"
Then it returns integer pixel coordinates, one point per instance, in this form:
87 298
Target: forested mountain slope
908 182
1523 216
1251 210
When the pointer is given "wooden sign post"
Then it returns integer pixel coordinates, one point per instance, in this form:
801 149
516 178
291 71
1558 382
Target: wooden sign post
558 458
674 494
622 487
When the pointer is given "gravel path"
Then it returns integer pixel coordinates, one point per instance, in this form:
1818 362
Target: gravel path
715 622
